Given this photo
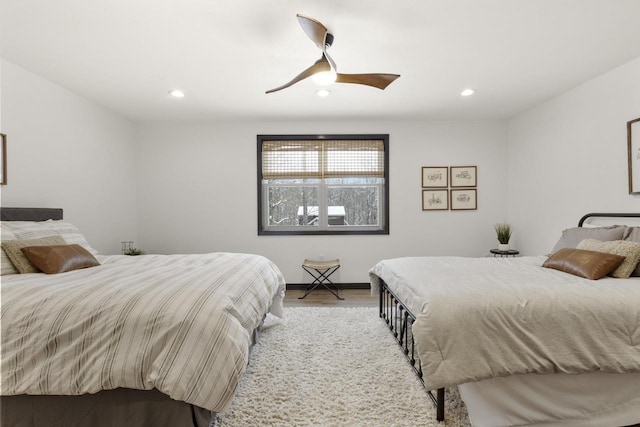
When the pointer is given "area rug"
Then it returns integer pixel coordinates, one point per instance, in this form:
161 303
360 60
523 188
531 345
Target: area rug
333 367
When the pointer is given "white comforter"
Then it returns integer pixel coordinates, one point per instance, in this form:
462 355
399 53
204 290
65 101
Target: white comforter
179 323
479 318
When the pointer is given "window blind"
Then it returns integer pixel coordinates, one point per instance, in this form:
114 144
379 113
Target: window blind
322 159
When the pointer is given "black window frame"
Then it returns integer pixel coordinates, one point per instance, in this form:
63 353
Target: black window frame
384 230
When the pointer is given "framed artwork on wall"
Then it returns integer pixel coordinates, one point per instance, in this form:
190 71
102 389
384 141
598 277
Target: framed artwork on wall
3 160
435 200
464 199
464 176
633 144
435 176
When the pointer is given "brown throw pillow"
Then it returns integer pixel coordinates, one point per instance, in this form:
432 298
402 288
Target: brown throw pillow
59 258
588 264
19 261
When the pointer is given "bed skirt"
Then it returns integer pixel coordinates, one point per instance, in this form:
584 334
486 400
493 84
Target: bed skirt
119 407
585 400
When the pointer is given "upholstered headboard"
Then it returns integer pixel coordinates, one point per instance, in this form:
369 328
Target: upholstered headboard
30 214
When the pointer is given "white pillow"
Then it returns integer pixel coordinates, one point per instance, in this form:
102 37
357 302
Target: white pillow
23 230
572 236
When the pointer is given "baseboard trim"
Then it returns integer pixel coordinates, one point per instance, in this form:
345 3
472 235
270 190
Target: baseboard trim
296 286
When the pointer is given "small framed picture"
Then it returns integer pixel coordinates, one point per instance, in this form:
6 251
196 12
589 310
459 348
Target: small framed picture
464 199
464 176
435 176
435 200
633 144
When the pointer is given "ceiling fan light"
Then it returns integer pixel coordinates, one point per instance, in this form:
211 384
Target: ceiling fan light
325 77
323 92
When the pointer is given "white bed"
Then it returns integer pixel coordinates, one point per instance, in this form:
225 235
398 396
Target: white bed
526 345
180 325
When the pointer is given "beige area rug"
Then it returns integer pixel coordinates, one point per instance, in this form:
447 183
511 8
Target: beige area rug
333 367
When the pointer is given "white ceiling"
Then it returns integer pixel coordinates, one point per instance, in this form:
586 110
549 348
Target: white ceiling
127 54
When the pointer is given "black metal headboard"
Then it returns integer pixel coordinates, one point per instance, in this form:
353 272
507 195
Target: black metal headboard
607 215
30 214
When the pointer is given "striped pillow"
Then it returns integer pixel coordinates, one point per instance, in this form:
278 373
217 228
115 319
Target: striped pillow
35 230
6 267
13 250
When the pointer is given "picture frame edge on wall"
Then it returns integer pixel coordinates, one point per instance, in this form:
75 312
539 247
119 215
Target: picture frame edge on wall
453 182
425 170
630 149
475 199
3 161
425 193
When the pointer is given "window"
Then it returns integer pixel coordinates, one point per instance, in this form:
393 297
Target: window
323 184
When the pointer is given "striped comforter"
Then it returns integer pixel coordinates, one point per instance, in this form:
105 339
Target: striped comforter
179 323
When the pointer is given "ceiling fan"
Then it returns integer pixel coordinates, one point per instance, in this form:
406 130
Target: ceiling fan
324 68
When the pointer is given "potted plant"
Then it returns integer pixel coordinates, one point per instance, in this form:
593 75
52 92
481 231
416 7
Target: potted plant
133 252
129 249
503 232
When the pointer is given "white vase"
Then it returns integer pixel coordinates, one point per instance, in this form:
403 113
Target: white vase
503 247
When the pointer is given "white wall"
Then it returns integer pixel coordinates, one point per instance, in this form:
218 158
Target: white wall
568 157
198 193
65 151
192 187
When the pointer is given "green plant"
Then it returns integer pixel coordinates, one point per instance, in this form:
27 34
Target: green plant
133 251
503 232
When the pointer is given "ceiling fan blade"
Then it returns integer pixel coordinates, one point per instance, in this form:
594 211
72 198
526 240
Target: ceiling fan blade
333 64
320 65
379 80
314 30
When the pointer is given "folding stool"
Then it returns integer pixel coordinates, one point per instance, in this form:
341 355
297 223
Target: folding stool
320 271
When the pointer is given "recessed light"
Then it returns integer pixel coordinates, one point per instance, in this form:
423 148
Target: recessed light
176 93
467 92
323 92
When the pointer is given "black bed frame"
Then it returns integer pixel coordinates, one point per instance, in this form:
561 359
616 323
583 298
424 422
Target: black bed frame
400 320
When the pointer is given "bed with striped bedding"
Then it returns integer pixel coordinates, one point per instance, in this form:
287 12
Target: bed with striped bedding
181 324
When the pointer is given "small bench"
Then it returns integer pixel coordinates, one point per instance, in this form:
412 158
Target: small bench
320 271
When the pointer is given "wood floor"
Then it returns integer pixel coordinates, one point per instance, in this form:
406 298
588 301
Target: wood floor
324 298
